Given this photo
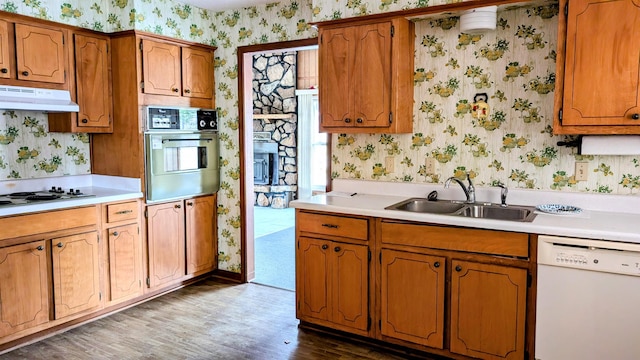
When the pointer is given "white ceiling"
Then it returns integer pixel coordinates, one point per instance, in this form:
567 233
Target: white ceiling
221 5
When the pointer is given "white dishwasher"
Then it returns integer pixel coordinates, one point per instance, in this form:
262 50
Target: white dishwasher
588 300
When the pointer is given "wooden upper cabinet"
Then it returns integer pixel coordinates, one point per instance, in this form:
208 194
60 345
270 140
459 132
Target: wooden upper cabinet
24 289
412 297
197 73
366 82
5 63
40 54
488 310
92 81
161 68
76 273
599 91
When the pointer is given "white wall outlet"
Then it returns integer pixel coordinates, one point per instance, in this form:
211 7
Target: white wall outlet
582 171
430 165
389 163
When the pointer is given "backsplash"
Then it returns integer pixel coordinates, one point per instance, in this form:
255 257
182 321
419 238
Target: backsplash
28 150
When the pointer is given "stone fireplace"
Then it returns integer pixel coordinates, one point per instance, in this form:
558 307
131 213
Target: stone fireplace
275 129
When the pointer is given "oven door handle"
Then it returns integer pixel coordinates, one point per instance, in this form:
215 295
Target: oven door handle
200 139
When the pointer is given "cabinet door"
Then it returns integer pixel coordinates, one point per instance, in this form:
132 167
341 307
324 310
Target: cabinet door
5 66
313 278
161 68
602 67
349 285
125 262
201 234
412 297
336 69
40 54
488 307
76 273
197 73
166 243
92 81
24 294
372 75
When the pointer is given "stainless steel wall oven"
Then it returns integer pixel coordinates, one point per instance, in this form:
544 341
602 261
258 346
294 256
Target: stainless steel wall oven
182 153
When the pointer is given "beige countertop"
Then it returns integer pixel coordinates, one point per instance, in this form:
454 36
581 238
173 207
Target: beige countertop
604 217
104 188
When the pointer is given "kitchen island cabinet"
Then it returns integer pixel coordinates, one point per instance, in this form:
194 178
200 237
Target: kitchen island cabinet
332 271
598 68
366 82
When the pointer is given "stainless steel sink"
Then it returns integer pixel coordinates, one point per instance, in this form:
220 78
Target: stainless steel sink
476 210
425 206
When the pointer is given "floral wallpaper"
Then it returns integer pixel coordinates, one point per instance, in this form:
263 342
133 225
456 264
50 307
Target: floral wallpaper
514 66
28 150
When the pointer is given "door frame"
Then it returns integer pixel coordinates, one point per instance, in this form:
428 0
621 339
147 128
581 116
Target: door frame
247 266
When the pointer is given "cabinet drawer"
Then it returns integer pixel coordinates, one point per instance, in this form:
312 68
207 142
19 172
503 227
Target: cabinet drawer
50 221
458 239
333 225
123 211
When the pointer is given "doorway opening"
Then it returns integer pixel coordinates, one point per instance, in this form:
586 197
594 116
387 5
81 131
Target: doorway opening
279 138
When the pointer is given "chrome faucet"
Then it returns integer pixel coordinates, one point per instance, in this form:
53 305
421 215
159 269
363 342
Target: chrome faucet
469 192
503 194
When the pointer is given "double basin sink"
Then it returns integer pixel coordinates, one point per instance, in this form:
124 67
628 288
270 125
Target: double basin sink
475 210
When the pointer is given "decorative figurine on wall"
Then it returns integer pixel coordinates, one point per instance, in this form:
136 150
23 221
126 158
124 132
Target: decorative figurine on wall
480 108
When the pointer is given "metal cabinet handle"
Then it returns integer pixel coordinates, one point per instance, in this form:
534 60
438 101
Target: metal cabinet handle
4 70
436 264
177 206
84 121
330 226
122 212
337 249
187 91
25 73
359 120
635 116
347 120
458 268
115 233
175 90
325 247
59 245
40 248
190 203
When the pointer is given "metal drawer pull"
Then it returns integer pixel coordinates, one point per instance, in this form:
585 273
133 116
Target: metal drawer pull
337 249
4 70
359 120
436 264
331 226
635 116
347 120
115 233
40 248
84 121
25 73
177 206
122 212
325 247
59 245
458 268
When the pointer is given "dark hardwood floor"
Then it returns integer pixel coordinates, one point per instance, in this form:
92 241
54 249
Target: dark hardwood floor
208 320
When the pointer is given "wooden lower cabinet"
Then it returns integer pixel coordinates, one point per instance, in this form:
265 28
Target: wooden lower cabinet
24 289
76 273
412 297
333 283
488 310
125 262
166 243
201 228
